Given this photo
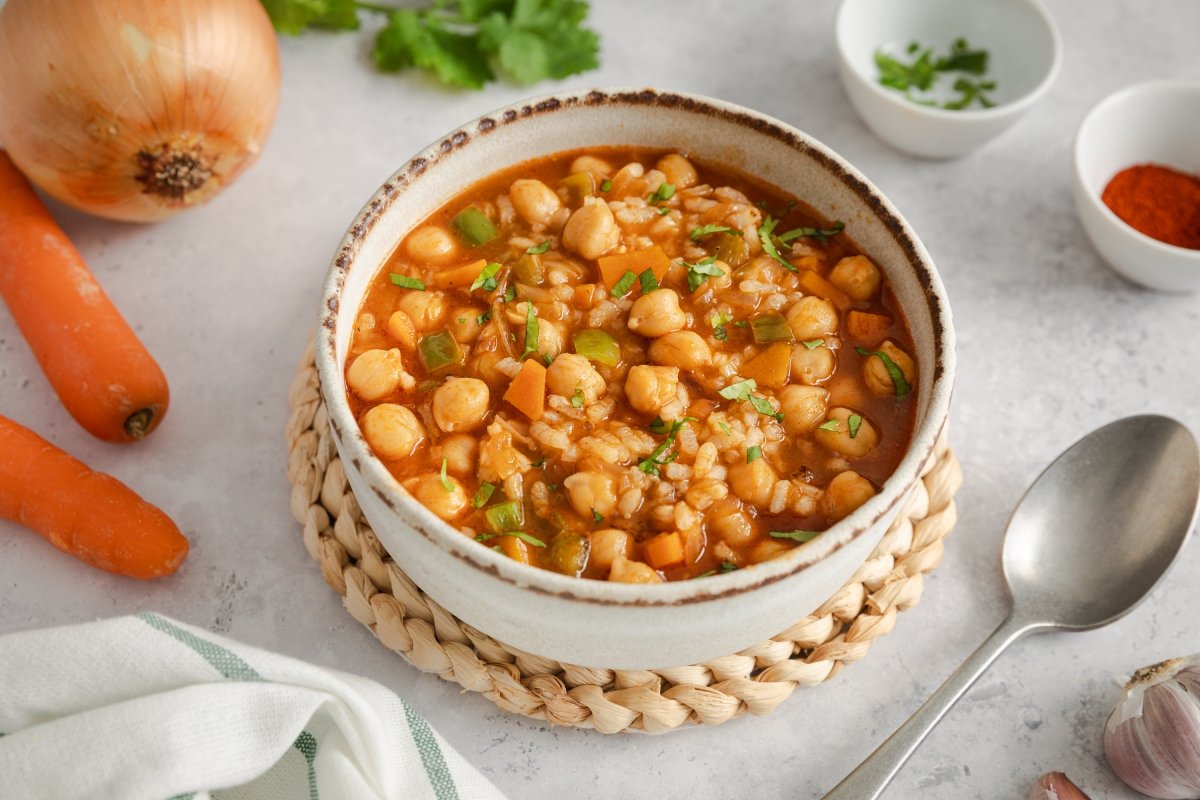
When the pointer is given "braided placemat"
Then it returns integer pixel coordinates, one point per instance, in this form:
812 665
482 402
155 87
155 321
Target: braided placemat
378 594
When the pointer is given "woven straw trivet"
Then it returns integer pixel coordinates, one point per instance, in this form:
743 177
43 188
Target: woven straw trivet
378 594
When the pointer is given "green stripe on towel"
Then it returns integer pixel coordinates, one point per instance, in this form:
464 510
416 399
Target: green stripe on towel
431 755
228 664
306 743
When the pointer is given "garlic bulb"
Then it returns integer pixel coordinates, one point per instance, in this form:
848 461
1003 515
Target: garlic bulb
1152 739
135 109
1056 786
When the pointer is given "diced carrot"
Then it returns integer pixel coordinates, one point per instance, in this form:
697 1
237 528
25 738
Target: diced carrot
870 329
527 392
459 277
812 283
652 258
515 549
664 550
771 367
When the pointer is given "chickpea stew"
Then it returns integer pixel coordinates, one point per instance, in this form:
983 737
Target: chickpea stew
625 365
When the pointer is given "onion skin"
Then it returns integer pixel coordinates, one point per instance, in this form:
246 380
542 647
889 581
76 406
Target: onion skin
1056 786
1152 739
136 109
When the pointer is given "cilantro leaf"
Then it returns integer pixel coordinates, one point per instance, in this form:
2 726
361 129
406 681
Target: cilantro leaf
699 272
419 39
292 17
739 390
705 230
798 536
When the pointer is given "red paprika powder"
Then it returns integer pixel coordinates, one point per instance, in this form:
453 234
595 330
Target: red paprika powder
1161 202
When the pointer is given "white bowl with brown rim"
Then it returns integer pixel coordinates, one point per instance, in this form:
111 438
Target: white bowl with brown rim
599 623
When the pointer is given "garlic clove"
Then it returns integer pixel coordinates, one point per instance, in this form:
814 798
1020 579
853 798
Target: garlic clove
1152 739
1056 786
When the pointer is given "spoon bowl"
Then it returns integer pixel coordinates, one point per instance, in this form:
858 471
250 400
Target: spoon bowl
1092 536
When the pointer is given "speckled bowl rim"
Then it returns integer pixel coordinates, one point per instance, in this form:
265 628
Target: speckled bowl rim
486 561
1156 247
1013 107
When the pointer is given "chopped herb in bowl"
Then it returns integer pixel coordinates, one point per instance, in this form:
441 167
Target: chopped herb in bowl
919 73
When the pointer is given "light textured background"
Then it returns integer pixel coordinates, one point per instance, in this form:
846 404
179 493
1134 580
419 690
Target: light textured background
1052 344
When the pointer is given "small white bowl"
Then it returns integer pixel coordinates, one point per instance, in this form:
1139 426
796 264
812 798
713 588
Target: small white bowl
597 623
1150 123
1020 36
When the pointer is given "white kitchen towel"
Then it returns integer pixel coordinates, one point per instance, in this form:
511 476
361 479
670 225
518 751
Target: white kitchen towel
146 708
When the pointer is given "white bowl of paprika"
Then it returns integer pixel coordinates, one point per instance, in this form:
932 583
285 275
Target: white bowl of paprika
1137 183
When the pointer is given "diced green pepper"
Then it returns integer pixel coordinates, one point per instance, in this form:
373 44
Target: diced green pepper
731 249
770 328
597 345
506 516
473 226
568 554
579 186
439 350
530 270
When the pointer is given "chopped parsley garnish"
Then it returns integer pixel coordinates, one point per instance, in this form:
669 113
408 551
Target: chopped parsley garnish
662 212
705 230
765 233
648 282
894 372
796 536
700 272
854 422
741 323
510 293
540 463
524 537
538 249
753 454
577 399
552 486
771 242
831 425
724 428
656 459
531 330
596 515
606 185
406 282
624 284
658 426
664 192
926 70
718 322
813 344
549 359
483 495
763 406
820 234
739 391
446 484
723 568
483 318
487 278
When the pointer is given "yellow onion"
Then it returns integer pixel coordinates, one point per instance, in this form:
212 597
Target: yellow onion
136 109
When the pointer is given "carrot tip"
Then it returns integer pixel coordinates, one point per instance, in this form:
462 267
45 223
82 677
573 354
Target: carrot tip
138 423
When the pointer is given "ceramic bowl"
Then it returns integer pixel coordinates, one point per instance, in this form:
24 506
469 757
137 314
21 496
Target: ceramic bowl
1156 122
1025 54
596 623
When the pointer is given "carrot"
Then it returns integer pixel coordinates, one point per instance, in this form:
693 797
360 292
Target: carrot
812 283
771 367
459 277
103 375
527 392
612 268
86 514
664 550
870 329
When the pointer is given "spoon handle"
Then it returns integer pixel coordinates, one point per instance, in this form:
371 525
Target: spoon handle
872 776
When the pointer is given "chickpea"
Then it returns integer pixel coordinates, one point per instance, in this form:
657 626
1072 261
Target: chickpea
534 201
433 494
572 372
840 441
626 571
375 374
592 230
432 244
550 338
847 491
648 389
812 366
460 404
679 170
400 327
876 376
857 276
464 323
596 166
483 364
683 349
460 452
753 482
591 492
732 526
812 318
768 549
803 407
425 309
656 314
606 545
392 431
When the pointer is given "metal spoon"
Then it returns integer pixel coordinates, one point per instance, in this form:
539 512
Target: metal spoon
1094 534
